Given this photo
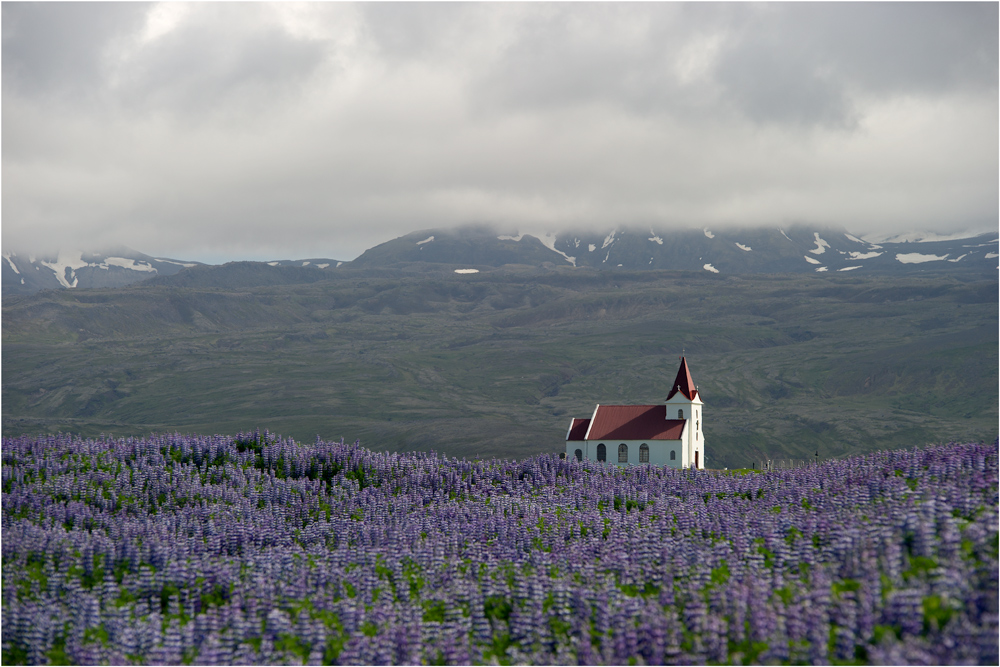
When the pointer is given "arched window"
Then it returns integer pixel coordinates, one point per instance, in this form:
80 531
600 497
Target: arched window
643 453
602 452
680 414
579 455
673 455
623 453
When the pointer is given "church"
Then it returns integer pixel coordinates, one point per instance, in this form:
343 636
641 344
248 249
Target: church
668 434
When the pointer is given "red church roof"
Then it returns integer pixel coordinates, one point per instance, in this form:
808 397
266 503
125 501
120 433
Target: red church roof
683 383
577 429
633 422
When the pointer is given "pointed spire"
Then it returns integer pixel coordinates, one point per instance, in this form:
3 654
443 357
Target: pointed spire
683 383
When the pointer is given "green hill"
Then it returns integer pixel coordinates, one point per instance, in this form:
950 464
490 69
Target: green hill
496 363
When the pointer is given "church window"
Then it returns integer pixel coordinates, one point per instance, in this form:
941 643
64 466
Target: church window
623 453
579 455
680 414
643 453
673 455
602 452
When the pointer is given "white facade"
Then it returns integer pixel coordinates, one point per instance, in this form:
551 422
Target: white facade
659 451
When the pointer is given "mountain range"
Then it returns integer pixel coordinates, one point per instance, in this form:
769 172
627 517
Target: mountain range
797 249
24 273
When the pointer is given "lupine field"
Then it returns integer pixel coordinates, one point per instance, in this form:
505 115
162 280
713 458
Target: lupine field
260 550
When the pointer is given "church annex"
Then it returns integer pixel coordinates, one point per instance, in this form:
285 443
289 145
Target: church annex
665 434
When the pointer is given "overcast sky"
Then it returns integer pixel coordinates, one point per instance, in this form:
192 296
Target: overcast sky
277 131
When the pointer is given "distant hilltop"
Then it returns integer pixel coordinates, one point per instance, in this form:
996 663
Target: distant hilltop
728 251
734 251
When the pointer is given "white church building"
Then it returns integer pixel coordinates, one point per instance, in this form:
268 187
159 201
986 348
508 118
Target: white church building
668 434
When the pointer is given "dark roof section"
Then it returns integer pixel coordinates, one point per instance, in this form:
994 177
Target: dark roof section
683 383
577 429
634 422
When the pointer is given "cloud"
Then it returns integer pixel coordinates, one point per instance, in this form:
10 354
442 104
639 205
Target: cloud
57 51
287 130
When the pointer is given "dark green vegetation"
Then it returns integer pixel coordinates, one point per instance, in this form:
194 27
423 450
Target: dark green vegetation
495 364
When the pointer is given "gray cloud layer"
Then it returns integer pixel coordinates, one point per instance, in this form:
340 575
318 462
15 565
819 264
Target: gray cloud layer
222 131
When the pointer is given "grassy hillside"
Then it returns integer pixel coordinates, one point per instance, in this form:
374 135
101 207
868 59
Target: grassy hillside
495 364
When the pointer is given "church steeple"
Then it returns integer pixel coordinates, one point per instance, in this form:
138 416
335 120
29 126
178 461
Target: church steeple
684 403
683 383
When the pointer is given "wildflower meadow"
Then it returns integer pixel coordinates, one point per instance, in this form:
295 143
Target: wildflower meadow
255 549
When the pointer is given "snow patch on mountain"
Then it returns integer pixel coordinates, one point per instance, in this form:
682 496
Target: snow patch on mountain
507 237
548 239
821 269
959 257
821 245
608 240
129 264
654 237
466 270
855 239
991 255
273 263
744 247
918 258
712 236
863 255
811 260
67 263
6 256
784 234
850 268
591 247
709 267
426 240
916 237
186 265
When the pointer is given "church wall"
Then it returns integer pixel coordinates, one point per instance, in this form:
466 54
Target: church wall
659 451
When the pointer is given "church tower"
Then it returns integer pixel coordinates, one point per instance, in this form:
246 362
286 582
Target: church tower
684 402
